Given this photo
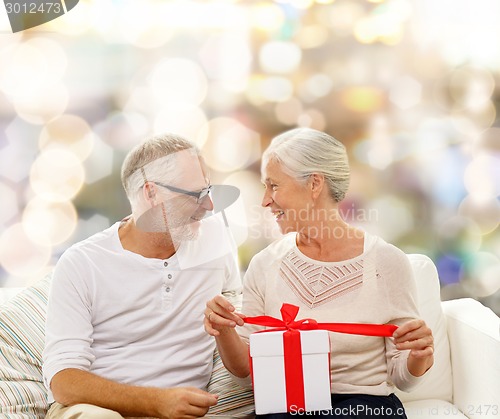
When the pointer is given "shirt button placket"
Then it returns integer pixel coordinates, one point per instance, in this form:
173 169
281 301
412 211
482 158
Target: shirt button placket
166 290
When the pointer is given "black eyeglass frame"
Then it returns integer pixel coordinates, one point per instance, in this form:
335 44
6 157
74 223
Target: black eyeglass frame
200 196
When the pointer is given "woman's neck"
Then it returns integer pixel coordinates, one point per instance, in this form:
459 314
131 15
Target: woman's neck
330 240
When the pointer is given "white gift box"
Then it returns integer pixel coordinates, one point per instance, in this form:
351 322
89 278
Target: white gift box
268 372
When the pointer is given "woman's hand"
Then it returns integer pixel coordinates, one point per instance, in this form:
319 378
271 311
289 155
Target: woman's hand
416 336
220 321
219 315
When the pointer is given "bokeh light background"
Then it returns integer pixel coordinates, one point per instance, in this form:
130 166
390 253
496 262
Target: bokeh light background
412 87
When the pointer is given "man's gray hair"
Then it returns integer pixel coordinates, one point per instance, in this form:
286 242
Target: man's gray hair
304 151
144 155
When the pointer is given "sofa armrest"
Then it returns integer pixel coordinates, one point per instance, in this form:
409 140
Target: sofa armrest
474 334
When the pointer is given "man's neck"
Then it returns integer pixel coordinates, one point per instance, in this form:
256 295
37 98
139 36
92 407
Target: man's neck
149 245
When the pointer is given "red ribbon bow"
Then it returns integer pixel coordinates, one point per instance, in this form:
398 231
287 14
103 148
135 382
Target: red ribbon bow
292 346
289 312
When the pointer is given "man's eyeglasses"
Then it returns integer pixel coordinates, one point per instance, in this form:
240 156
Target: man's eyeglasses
200 196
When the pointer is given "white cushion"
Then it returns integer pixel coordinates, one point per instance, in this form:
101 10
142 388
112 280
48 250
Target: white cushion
437 382
474 333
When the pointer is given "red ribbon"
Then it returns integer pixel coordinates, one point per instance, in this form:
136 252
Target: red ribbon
292 346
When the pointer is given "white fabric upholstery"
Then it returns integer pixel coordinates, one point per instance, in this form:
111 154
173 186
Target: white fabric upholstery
437 383
474 334
465 380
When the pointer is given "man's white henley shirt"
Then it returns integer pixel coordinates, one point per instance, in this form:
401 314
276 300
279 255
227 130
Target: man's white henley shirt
133 319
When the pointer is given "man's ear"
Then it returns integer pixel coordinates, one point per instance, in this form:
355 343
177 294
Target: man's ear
149 192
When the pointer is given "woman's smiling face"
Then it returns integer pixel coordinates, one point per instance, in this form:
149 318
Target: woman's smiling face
289 201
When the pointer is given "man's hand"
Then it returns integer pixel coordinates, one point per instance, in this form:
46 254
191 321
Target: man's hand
73 386
184 403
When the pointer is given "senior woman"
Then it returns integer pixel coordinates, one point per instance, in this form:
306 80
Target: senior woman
335 273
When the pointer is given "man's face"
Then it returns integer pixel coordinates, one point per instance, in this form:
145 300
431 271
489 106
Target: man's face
183 205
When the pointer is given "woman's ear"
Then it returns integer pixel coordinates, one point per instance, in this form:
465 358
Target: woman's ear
317 182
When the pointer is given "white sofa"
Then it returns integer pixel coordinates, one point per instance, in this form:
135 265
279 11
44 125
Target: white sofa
464 382
465 379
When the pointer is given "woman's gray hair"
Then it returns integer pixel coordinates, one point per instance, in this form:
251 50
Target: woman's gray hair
151 161
304 151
